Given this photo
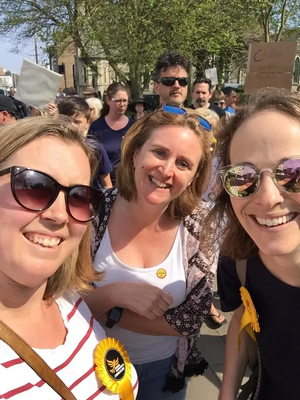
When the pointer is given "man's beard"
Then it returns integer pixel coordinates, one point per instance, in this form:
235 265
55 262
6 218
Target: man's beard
175 101
199 103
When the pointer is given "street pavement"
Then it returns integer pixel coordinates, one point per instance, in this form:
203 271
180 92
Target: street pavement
212 345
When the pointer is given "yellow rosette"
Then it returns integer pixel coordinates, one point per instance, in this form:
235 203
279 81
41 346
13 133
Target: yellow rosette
249 320
114 368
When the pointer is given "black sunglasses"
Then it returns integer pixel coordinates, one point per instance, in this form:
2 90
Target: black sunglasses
169 81
37 191
243 180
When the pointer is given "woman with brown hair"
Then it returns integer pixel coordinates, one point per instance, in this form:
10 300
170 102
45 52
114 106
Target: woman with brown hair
157 288
113 124
259 202
46 203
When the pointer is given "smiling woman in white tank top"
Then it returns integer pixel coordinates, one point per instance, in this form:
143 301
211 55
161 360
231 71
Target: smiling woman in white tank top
157 286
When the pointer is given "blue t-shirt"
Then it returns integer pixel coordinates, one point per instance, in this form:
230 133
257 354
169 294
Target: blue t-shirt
229 110
111 141
104 165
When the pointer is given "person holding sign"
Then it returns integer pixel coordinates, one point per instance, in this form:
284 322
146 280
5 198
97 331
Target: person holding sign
259 202
48 336
157 288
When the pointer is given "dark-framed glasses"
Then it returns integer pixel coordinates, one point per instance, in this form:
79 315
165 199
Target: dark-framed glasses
37 191
170 81
177 110
242 180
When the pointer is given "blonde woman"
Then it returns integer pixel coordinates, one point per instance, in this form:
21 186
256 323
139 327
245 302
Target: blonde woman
46 203
95 108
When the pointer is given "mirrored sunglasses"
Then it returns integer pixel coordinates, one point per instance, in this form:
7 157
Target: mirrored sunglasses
243 180
37 191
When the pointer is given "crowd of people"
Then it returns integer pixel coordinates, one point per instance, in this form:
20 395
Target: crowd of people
115 226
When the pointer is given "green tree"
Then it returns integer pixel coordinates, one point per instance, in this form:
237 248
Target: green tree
7 73
131 34
275 16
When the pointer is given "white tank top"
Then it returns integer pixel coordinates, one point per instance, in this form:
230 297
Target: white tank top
169 276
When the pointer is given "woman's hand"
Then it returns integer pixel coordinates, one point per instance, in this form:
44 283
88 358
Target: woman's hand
143 299
51 108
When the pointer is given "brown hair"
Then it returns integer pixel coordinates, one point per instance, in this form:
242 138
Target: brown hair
73 106
77 272
112 89
134 140
236 242
217 96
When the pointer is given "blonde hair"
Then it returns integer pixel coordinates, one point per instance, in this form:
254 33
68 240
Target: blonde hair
77 271
210 115
35 112
134 140
97 106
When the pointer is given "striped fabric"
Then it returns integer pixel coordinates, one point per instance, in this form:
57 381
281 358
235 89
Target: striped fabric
72 361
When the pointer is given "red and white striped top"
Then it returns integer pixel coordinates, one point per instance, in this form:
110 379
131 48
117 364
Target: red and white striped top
73 361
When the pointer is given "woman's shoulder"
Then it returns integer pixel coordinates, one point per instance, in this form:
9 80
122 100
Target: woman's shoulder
98 124
195 221
109 198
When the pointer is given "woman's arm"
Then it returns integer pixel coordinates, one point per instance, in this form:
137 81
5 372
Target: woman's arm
105 181
156 327
143 299
236 360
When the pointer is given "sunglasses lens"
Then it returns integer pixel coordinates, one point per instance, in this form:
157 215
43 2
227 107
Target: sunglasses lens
183 81
173 109
33 190
166 81
84 203
241 181
205 124
287 175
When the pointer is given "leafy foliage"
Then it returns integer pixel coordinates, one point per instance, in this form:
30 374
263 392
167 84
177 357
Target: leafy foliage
131 34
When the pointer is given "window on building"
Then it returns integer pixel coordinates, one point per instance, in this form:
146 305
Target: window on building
53 64
297 70
84 75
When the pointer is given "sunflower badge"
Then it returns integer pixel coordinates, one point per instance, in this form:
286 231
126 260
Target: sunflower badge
114 368
249 320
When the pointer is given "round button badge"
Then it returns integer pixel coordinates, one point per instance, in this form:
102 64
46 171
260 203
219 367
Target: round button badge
161 273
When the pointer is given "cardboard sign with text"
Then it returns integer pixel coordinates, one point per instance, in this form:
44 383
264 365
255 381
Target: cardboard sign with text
270 65
272 57
256 81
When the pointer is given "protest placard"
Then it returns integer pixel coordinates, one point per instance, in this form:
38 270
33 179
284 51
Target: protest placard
211 73
270 65
37 85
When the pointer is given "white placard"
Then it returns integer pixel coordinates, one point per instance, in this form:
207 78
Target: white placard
211 73
37 85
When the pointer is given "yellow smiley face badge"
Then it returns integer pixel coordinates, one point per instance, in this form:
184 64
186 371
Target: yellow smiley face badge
161 273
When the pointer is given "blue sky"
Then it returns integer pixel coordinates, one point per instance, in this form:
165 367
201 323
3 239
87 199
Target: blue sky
11 61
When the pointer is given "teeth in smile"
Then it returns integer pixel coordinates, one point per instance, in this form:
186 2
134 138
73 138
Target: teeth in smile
275 221
46 242
158 183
